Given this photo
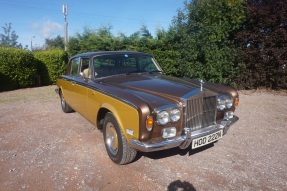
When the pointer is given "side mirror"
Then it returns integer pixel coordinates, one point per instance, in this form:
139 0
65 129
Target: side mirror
82 75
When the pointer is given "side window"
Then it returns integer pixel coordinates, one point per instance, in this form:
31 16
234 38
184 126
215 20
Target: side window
75 66
85 67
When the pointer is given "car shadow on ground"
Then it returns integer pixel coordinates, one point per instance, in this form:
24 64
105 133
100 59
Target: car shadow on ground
172 152
179 185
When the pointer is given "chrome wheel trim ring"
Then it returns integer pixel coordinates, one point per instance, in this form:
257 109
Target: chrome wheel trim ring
63 103
112 141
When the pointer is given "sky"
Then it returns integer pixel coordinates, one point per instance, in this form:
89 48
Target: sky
36 20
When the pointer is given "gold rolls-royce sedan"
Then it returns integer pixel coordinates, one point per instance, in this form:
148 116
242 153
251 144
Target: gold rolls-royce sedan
139 108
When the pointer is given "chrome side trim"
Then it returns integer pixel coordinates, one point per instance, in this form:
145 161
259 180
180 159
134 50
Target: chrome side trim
184 140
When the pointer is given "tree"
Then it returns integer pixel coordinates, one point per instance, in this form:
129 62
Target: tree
145 32
91 40
105 31
262 44
9 38
205 29
57 42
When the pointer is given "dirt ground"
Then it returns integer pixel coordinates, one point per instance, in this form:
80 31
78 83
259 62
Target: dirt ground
42 148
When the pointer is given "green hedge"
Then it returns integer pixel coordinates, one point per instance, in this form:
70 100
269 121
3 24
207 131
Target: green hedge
17 68
50 64
168 60
21 68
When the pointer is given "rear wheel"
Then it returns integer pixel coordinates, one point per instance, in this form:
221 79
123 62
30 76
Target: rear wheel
119 151
65 107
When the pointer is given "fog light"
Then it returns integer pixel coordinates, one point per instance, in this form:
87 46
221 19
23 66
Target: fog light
228 115
168 132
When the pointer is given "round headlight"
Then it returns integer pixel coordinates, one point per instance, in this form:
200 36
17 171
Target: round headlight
221 104
174 115
228 102
163 117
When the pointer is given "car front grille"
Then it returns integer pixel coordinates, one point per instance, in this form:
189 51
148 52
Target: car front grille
200 111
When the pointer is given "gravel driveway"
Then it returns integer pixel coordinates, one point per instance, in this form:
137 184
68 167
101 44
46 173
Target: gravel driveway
42 148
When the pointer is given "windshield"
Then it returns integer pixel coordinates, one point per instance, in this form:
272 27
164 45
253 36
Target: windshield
108 65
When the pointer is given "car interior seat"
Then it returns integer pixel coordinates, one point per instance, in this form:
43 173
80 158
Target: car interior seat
87 73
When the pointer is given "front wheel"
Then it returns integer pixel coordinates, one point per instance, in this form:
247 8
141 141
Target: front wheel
118 149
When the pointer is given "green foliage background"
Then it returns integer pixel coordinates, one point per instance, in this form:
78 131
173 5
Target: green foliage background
17 68
206 47
262 45
199 44
50 63
21 68
241 43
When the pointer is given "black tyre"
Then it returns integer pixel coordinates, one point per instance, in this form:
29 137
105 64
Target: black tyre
119 151
65 107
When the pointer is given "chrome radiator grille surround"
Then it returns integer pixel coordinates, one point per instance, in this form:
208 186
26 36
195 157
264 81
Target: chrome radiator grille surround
200 110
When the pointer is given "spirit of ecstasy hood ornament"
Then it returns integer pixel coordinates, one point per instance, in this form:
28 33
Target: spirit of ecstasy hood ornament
201 84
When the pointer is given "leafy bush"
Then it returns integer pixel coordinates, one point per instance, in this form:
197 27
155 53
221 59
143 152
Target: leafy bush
167 59
50 63
17 68
262 45
205 29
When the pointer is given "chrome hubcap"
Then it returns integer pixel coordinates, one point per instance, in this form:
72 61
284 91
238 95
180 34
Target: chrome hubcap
63 102
111 138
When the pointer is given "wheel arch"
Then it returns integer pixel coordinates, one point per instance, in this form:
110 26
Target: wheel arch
104 109
60 89
100 117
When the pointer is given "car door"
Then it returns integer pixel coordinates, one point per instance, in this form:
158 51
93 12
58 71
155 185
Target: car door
69 83
80 83
81 86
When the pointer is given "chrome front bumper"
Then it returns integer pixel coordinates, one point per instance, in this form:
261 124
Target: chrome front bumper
185 140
